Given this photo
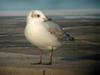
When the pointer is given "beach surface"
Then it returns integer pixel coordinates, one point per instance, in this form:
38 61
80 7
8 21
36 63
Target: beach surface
80 57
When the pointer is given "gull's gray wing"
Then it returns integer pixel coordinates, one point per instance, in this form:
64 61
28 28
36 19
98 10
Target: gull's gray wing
57 31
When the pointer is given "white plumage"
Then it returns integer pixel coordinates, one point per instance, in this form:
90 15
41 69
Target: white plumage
43 33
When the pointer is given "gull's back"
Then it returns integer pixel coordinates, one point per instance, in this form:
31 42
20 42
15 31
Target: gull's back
57 31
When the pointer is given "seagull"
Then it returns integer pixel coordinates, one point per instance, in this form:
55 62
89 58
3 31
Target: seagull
45 34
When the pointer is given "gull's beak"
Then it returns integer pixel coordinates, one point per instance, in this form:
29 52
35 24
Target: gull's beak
47 19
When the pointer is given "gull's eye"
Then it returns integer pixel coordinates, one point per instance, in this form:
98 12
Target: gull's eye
38 15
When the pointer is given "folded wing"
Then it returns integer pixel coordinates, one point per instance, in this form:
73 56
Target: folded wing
57 31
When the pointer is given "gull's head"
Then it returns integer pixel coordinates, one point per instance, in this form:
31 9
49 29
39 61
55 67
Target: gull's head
37 16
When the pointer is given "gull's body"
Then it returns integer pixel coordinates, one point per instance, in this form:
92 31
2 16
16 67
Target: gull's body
43 33
39 35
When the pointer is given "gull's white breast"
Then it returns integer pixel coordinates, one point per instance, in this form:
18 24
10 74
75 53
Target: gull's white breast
39 36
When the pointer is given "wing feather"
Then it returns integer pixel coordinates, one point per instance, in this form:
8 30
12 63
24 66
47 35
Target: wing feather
57 31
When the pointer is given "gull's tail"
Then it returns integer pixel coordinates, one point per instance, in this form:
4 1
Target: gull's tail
69 37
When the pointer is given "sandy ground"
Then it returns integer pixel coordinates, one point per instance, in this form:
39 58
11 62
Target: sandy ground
82 55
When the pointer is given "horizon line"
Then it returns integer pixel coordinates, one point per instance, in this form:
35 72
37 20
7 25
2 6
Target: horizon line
54 12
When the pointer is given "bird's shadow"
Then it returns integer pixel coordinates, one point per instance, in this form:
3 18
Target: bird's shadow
95 57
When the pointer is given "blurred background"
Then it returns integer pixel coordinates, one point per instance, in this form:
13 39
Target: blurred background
58 7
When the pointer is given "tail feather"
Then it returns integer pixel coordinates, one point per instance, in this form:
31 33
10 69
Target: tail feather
69 37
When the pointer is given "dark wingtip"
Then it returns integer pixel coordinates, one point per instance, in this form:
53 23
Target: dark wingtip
72 39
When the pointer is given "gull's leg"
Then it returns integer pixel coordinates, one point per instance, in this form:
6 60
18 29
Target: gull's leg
40 59
51 56
47 57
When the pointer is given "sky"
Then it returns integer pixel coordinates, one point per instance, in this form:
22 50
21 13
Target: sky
27 5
